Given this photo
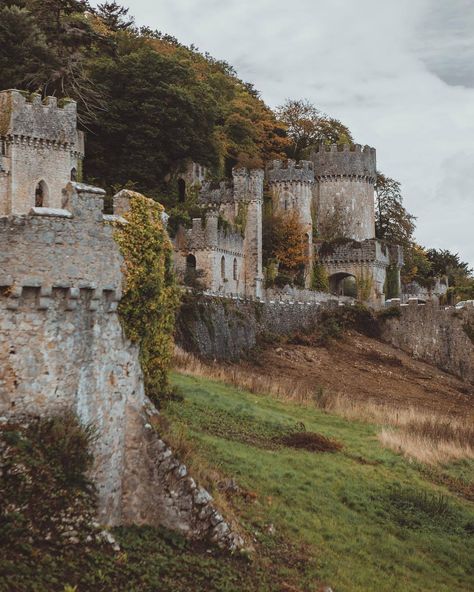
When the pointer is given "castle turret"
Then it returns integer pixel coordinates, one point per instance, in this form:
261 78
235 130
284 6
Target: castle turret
291 184
344 193
248 190
40 151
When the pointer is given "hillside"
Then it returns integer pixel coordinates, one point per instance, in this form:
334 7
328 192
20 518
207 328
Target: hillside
359 518
318 498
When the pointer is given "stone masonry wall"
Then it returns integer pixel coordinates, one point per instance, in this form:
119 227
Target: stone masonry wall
225 329
62 347
435 335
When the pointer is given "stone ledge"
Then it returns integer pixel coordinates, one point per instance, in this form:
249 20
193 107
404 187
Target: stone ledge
51 212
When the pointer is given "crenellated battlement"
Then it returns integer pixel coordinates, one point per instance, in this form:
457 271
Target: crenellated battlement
246 185
32 295
344 160
290 171
28 117
71 248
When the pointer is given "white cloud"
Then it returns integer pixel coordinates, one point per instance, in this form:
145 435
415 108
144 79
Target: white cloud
399 73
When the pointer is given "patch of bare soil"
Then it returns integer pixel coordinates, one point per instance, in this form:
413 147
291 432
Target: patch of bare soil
311 441
365 369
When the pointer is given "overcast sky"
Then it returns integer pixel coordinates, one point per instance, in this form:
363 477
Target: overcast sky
399 73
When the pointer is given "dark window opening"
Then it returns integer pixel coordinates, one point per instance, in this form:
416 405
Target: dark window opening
181 190
41 194
190 262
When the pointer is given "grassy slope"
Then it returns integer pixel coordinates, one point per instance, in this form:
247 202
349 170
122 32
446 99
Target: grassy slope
361 519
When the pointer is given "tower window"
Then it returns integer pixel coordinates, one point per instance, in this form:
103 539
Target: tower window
235 269
41 195
223 267
73 174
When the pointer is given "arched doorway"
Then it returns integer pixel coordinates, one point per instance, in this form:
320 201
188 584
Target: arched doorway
343 284
181 190
41 195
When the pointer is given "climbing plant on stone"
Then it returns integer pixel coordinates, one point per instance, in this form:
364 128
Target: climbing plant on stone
151 296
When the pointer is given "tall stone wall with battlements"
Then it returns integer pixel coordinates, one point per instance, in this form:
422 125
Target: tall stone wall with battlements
62 347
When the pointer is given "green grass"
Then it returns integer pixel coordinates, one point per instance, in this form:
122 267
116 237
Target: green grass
362 519
359 519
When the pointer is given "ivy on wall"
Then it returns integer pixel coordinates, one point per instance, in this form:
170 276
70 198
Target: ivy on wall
151 296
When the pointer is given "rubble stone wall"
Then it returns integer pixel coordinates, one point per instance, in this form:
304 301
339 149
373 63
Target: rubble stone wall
436 335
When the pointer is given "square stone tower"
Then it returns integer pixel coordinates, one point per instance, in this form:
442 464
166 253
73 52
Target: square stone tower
40 151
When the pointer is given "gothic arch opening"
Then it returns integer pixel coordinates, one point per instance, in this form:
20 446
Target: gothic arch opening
181 190
73 174
41 195
235 269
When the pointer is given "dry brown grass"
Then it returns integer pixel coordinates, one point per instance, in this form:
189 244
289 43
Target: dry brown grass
429 438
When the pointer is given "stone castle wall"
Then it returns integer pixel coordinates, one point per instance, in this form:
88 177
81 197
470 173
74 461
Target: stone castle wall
224 329
435 335
62 347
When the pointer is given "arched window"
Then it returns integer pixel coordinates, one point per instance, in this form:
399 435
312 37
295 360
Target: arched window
223 267
41 195
74 174
181 190
235 269
190 262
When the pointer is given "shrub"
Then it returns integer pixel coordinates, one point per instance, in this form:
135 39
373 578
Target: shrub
390 312
151 296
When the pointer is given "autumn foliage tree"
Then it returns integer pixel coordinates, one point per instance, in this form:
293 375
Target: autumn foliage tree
306 127
286 243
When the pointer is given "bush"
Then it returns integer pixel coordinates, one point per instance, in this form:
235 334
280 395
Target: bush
390 312
151 296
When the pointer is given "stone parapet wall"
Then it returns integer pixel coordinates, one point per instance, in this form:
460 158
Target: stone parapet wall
435 335
290 171
68 248
344 160
37 119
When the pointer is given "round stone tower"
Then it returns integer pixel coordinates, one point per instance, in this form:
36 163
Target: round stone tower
344 192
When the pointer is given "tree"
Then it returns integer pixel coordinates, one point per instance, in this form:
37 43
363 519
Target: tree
114 16
445 263
417 267
392 221
158 116
24 53
285 240
307 127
